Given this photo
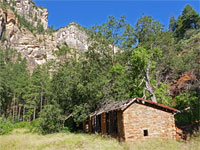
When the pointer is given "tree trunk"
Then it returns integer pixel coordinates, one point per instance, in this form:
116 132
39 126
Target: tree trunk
14 108
34 111
24 109
41 102
29 119
113 54
8 110
148 85
19 113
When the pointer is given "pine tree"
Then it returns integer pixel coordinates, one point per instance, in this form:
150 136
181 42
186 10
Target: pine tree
172 23
189 19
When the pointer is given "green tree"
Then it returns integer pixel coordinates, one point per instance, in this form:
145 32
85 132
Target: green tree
189 19
50 119
38 91
147 30
172 23
111 36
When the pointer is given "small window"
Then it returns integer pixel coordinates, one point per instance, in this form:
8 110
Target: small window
146 133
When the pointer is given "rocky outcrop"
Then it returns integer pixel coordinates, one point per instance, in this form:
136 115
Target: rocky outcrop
26 8
183 83
2 22
37 48
72 36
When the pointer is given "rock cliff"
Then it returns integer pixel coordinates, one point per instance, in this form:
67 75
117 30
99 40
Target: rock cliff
33 14
38 48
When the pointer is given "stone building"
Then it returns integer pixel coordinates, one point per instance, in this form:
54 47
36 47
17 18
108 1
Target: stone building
133 120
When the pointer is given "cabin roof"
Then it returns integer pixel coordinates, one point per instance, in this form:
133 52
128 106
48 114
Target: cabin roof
122 105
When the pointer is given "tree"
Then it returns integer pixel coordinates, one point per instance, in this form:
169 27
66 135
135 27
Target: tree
189 19
113 35
172 23
50 119
143 64
38 91
50 29
147 29
128 38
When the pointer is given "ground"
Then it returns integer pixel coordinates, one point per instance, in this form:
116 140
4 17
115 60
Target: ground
21 139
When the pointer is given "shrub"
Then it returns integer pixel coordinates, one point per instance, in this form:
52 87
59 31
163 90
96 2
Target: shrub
40 28
50 119
6 126
20 125
34 125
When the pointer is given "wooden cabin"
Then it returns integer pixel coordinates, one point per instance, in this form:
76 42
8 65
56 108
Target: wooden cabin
133 120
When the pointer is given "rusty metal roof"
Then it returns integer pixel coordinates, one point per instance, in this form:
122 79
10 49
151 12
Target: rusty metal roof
122 105
161 105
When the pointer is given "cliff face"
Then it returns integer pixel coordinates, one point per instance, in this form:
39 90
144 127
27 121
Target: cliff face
2 22
33 14
73 36
37 47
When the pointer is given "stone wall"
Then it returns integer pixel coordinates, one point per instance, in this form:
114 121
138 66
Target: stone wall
137 119
140 117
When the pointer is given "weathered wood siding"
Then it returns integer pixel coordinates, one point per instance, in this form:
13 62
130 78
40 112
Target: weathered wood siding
120 125
103 123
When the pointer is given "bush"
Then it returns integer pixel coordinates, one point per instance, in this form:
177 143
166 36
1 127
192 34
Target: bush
50 119
20 125
34 125
6 126
40 28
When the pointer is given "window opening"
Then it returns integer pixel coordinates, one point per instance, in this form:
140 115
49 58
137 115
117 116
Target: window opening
146 133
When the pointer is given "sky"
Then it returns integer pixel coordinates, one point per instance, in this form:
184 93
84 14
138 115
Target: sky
92 12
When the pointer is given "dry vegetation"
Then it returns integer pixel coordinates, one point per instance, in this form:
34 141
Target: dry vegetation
20 139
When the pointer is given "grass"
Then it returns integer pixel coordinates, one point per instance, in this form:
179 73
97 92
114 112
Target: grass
21 139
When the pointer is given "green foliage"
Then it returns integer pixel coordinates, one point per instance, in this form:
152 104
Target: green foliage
189 19
3 37
147 29
116 32
22 20
80 113
20 125
50 119
4 5
6 126
140 58
128 37
188 100
63 51
50 29
40 28
35 18
172 23
34 126
163 95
